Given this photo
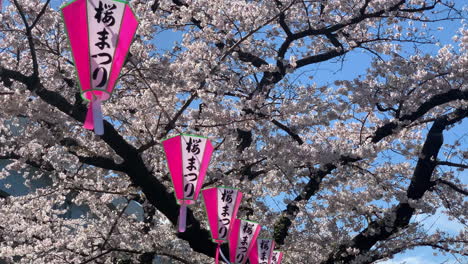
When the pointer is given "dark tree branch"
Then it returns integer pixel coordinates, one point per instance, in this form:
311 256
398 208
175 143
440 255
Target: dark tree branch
4 194
282 19
425 107
320 57
362 11
79 189
451 164
451 185
147 258
421 9
316 176
100 162
134 166
155 6
248 57
14 75
375 256
290 132
114 225
172 123
248 35
399 217
44 8
245 139
44 166
96 257
32 47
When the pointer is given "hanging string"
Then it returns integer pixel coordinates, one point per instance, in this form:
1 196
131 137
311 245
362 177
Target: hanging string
222 255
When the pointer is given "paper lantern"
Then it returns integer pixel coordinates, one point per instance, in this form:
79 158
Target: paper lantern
187 157
221 206
100 33
241 240
262 251
276 258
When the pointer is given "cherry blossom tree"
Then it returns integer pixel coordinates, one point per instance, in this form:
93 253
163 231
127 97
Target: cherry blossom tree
336 173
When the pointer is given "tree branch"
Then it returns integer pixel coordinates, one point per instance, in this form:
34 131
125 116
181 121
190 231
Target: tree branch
114 225
32 47
425 107
44 8
100 162
451 185
157 194
44 166
399 217
288 130
451 164
316 176
233 47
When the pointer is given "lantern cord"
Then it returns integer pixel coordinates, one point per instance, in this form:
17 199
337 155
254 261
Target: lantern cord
97 116
89 122
222 255
182 217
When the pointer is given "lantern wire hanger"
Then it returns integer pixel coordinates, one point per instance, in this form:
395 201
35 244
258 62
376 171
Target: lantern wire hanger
219 251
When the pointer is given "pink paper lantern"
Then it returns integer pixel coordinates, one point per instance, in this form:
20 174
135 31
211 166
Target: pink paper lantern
221 206
187 157
262 251
241 240
100 33
276 257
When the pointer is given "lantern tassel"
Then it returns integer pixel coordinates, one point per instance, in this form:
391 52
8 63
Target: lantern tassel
97 117
222 255
182 217
89 122
217 253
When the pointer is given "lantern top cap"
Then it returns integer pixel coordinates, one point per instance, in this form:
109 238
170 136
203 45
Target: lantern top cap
248 221
182 134
221 187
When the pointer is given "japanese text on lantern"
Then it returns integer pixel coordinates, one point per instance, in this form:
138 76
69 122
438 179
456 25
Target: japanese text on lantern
264 250
104 19
192 154
246 233
226 204
275 259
